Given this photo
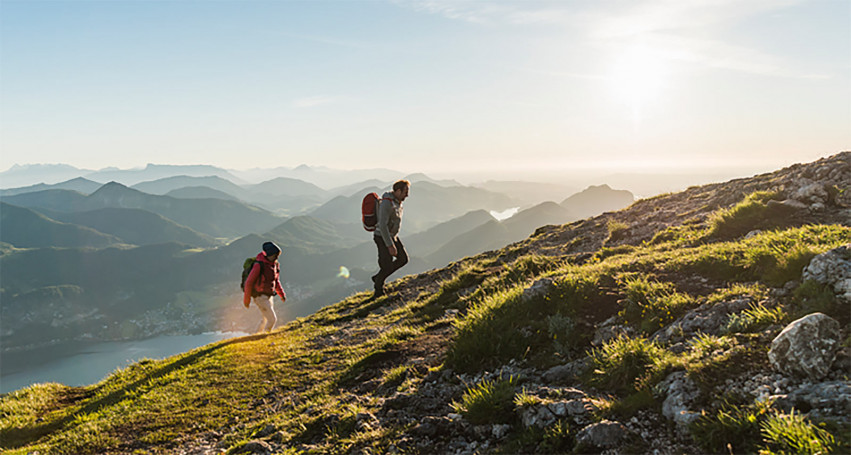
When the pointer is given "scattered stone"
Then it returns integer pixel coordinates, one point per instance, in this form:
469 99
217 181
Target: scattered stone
806 347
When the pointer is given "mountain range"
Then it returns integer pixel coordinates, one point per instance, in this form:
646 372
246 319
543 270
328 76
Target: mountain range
194 246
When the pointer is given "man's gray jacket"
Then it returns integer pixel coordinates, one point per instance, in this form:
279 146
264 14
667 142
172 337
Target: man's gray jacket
389 218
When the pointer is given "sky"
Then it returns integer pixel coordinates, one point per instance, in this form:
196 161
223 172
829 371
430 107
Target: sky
425 85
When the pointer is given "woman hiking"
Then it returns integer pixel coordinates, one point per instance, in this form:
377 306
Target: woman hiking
262 283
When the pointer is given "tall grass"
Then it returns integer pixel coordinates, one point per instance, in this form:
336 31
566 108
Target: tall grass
624 364
792 433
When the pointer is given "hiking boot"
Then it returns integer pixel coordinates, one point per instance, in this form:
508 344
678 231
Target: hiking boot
379 291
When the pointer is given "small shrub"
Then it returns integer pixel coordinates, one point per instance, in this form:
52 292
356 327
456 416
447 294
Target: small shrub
753 319
489 402
792 433
731 429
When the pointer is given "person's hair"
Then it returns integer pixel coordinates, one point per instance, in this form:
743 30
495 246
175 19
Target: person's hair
401 184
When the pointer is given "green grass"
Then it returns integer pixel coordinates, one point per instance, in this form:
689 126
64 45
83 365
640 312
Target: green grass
488 402
624 365
772 257
731 429
792 433
750 214
753 319
651 305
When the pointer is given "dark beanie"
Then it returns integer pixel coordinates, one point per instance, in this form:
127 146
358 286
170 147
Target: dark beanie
271 249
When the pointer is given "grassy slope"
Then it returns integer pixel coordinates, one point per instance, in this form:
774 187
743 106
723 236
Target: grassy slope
309 381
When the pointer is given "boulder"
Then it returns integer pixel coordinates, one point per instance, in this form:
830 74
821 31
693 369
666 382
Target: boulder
602 435
832 268
806 347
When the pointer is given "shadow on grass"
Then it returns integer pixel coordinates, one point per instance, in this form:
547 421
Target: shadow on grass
11 438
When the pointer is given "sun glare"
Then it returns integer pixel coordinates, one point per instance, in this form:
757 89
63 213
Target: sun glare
637 79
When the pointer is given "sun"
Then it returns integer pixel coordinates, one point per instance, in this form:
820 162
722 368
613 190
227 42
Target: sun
637 79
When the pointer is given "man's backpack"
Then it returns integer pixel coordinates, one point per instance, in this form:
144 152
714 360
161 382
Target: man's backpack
369 211
246 270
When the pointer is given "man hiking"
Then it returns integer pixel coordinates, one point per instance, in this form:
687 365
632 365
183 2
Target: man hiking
262 283
387 235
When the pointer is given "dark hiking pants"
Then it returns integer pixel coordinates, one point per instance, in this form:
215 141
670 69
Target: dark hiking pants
387 263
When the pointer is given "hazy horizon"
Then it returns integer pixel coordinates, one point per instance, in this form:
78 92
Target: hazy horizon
437 86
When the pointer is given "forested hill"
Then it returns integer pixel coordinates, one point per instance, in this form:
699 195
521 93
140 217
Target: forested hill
713 320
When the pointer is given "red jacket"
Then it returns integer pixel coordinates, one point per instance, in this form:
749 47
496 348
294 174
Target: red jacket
267 283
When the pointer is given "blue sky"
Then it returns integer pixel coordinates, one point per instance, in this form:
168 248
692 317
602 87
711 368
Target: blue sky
431 86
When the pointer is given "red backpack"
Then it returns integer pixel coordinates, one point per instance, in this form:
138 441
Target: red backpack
369 211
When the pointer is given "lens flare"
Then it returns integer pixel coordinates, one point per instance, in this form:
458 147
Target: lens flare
344 272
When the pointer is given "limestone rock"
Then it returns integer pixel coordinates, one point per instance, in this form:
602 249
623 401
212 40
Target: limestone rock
831 399
806 347
680 392
832 268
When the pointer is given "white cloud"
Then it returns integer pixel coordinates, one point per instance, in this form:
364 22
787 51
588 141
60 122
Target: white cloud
687 31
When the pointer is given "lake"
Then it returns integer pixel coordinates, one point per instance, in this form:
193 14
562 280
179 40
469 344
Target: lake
81 363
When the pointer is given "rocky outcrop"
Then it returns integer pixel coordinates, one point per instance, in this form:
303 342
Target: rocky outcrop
806 347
